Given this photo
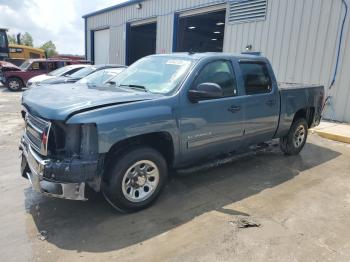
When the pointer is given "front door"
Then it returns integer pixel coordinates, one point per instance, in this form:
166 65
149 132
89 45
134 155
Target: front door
212 126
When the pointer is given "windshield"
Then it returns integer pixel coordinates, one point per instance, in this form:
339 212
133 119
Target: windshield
156 74
101 76
60 71
25 65
83 72
3 42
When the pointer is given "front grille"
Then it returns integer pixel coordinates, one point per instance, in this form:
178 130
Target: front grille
35 129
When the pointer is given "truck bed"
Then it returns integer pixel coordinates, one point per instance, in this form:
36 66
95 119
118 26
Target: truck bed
288 86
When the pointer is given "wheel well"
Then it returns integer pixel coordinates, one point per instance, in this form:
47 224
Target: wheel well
16 77
307 113
160 141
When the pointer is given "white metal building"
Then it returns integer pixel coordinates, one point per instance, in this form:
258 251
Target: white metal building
300 37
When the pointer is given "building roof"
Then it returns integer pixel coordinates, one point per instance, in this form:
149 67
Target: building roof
114 7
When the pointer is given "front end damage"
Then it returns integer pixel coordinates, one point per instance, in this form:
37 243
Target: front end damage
59 159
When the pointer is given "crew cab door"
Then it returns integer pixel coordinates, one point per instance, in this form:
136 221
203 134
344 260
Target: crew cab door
212 126
261 101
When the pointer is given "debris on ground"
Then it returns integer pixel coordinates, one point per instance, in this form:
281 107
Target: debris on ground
245 222
42 235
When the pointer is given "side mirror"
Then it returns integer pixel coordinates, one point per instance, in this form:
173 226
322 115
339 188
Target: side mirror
205 91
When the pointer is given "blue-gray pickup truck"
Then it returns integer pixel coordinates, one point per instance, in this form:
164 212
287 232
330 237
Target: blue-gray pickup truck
163 112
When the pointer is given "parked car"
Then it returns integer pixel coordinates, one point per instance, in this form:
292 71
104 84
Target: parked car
164 111
100 77
63 71
17 78
78 75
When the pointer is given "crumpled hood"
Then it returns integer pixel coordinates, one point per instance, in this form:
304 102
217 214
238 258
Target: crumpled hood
58 102
7 66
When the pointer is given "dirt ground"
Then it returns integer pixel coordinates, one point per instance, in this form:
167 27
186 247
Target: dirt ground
302 204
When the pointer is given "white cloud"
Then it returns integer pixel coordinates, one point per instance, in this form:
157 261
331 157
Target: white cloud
56 20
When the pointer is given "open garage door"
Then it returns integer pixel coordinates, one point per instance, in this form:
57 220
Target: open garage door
141 41
201 32
101 46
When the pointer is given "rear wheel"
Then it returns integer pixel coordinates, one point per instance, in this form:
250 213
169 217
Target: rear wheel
295 140
135 180
14 84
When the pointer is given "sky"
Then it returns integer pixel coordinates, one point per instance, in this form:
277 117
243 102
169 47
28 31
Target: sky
57 20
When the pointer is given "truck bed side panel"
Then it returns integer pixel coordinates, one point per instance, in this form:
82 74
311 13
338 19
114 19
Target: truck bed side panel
295 98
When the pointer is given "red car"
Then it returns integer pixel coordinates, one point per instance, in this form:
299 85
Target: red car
15 78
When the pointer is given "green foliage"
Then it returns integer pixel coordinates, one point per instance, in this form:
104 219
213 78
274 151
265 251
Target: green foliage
50 48
12 39
27 39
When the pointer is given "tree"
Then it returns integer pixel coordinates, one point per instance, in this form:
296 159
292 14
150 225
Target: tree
50 48
27 39
12 39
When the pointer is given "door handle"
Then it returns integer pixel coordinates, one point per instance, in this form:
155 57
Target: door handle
234 109
270 102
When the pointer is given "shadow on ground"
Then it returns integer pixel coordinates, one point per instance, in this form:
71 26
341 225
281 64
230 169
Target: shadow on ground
93 226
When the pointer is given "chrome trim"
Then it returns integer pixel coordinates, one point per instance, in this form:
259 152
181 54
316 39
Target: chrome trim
33 122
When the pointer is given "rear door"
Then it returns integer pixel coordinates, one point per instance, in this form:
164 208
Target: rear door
212 126
261 101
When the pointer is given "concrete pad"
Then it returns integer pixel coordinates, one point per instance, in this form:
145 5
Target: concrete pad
333 131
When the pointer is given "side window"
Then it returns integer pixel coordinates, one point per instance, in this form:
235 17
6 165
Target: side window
35 66
256 78
72 71
221 73
38 66
59 64
51 66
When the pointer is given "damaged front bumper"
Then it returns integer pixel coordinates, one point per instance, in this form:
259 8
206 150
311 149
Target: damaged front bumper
35 168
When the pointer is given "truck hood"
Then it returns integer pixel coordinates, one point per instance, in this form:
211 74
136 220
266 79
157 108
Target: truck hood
59 102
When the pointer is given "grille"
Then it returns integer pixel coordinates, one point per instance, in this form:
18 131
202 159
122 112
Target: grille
35 128
247 10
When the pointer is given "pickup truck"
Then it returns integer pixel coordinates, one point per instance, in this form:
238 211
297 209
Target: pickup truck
164 112
16 78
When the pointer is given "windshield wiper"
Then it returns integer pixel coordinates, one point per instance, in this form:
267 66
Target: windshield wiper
136 87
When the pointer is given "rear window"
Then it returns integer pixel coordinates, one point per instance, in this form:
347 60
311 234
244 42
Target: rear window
256 78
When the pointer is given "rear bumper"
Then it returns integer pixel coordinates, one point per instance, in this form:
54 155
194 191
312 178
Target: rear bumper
33 167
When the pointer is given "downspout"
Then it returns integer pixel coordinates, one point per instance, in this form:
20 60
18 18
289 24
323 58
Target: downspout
340 41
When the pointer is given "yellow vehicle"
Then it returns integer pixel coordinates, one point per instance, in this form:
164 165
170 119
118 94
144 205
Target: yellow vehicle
19 53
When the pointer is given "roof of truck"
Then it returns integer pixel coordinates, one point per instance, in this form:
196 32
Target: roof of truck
198 56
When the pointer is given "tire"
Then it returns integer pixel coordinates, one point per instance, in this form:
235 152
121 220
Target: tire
14 84
295 140
127 176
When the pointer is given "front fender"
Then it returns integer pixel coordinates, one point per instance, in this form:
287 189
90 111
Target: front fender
116 123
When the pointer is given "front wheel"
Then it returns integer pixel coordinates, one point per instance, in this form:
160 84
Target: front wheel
295 140
14 84
135 180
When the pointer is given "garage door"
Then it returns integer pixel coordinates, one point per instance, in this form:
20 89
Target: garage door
101 46
142 41
203 32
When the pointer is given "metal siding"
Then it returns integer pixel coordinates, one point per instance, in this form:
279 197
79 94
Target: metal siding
299 38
